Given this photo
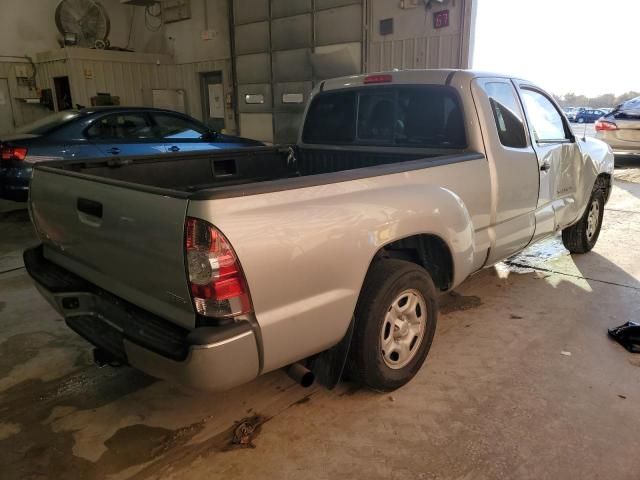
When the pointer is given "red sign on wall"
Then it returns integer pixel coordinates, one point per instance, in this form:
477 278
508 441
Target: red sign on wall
441 19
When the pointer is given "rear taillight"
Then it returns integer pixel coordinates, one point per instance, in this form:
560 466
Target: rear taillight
604 126
218 286
13 153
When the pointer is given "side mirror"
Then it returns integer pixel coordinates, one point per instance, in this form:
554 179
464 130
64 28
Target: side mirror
209 135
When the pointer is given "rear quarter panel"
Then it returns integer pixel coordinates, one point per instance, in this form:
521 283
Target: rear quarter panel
306 251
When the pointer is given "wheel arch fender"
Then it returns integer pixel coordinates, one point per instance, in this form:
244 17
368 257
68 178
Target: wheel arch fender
440 215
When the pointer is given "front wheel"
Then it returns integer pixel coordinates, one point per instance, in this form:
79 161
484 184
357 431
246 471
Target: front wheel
581 120
396 319
582 237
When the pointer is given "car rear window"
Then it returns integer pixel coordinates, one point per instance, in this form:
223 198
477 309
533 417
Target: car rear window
421 116
48 123
630 110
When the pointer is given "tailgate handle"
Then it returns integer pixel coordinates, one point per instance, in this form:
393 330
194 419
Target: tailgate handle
90 207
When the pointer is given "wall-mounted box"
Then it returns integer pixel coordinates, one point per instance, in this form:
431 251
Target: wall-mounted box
175 10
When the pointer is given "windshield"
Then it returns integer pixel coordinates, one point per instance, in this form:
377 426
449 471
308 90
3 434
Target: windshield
48 123
425 116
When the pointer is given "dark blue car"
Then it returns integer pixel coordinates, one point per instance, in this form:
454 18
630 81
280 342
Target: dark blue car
588 116
102 132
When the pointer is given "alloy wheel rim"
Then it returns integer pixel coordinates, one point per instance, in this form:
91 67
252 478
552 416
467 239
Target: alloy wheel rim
403 329
593 219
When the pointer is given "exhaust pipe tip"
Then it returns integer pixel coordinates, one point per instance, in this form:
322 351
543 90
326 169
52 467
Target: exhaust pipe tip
301 375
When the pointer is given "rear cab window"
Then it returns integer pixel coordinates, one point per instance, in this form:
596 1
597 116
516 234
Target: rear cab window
395 115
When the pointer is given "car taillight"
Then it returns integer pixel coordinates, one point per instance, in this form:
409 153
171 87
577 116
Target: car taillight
218 285
13 153
604 126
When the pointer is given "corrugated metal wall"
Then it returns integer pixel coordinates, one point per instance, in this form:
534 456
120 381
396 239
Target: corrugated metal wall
441 51
22 112
131 77
415 42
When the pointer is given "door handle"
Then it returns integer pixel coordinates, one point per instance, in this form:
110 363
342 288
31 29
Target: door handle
114 151
89 207
546 165
174 148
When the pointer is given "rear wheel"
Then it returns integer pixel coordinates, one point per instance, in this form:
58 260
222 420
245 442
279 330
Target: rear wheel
582 237
396 319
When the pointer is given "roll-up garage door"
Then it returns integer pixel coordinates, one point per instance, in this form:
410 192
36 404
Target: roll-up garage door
281 49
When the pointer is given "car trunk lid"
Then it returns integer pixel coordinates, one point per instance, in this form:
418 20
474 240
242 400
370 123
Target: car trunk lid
127 241
628 123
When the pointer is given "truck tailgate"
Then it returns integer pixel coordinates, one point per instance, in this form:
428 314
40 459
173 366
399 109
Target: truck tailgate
126 241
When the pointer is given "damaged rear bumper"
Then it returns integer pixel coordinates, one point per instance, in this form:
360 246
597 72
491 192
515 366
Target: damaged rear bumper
206 358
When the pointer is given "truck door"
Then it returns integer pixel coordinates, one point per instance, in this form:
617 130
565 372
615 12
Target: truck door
559 159
513 165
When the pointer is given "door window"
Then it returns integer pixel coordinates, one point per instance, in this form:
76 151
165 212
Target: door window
507 114
121 126
173 127
545 119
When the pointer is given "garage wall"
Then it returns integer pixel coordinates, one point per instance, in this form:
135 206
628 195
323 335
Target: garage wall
416 43
189 79
28 27
131 76
22 112
209 19
281 48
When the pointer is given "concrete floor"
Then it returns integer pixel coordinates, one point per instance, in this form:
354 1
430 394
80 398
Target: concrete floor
496 398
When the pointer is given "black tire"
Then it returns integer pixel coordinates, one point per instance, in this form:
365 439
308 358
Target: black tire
387 280
581 120
578 238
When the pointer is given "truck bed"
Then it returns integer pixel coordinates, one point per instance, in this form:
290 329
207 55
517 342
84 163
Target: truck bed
185 174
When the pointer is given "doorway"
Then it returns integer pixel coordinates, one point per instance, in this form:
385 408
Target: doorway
7 123
63 93
212 95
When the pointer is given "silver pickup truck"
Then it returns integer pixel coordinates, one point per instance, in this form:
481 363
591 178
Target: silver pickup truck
211 269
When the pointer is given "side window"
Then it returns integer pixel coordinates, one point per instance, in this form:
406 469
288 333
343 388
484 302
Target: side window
507 114
178 128
545 119
121 126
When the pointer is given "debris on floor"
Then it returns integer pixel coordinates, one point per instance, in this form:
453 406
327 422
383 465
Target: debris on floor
627 335
565 353
246 430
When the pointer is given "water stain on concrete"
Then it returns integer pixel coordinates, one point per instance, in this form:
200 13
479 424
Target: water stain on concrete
535 256
303 400
220 443
454 302
38 452
138 444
